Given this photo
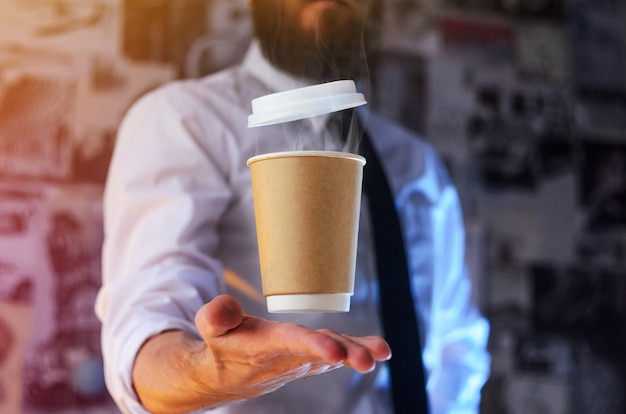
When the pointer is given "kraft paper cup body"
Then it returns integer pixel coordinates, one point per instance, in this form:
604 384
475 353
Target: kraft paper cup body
307 206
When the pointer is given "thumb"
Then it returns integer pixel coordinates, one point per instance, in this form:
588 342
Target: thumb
218 316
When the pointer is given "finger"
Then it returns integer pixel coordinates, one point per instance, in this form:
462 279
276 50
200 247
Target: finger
218 316
359 356
378 347
330 349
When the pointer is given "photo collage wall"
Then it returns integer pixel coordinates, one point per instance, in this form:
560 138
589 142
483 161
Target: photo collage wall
524 100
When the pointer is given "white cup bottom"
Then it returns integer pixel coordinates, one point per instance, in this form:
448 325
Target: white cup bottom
322 302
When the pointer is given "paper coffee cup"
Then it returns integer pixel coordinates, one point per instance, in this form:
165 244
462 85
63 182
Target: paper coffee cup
307 206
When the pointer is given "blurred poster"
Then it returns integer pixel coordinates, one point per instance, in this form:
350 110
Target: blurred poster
450 102
37 94
601 113
603 184
551 9
504 146
411 26
59 363
519 133
16 314
479 40
86 25
598 39
599 67
543 52
52 126
579 296
399 83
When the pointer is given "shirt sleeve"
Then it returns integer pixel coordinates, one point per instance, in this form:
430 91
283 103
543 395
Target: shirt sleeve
163 198
456 341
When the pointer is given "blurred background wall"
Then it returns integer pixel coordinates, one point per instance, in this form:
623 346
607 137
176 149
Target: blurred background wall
526 101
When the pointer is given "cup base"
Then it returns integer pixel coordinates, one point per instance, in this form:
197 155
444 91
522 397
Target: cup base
306 303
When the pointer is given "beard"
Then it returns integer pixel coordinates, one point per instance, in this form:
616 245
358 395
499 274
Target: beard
336 48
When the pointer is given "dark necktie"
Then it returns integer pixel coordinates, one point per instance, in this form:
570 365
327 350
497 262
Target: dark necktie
397 308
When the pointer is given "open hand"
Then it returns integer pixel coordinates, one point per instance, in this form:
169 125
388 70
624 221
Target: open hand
252 356
240 357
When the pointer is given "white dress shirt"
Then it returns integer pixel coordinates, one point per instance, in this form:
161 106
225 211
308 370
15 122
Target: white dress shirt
179 230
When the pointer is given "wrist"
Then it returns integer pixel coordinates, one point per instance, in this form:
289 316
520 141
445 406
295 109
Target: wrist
164 376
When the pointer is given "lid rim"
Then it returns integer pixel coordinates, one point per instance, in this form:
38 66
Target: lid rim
299 110
306 102
307 153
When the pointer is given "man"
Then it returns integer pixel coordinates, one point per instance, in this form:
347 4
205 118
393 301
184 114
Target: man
183 326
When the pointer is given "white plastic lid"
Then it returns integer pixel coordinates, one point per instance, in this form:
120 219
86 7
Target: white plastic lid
305 102
305 303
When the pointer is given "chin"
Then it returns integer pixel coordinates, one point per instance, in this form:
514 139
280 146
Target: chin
328 15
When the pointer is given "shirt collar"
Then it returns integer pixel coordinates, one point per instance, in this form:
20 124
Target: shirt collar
258 66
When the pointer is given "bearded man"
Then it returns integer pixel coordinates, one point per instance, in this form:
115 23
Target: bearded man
183 327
